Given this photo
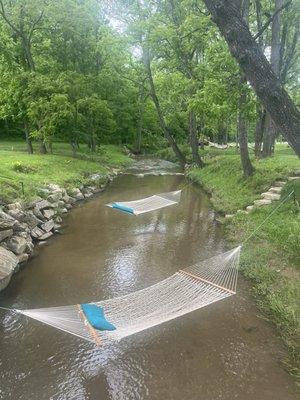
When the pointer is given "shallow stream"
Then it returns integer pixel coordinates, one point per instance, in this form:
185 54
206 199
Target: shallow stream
224 351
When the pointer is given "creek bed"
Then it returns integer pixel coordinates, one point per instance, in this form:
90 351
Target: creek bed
224 351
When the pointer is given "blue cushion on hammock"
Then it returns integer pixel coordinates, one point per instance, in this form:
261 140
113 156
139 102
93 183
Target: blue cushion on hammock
95 315
122 208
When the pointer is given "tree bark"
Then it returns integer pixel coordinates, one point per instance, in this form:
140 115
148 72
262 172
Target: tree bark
248 169
140 120
270 130
180 156
43 149
27 138
194 139
259 130
257 70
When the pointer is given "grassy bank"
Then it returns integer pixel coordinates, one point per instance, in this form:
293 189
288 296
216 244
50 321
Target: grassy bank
271 258
34 171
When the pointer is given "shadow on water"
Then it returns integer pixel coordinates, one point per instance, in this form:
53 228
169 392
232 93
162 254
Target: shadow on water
223 351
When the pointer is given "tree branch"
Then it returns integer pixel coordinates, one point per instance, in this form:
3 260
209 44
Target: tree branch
2 12
34 24
267 23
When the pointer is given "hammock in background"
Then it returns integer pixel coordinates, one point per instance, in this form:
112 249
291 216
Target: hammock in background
187 290
147 204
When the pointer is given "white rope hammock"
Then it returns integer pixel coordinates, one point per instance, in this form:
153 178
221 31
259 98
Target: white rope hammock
185 291
147 204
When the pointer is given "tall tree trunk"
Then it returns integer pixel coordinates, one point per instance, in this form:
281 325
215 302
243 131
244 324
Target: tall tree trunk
248 169
270 131
242 122
258 71
194 139
140 120
43 149
27 137
180 156
259 130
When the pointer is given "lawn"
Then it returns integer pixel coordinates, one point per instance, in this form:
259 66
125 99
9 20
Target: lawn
18 168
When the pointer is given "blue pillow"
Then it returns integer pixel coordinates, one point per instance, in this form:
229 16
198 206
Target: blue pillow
122 208
95 315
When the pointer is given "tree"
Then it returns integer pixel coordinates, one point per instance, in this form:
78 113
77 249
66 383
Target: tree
283 111
98 119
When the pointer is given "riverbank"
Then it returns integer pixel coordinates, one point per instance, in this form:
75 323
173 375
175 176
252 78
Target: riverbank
270 259
36 190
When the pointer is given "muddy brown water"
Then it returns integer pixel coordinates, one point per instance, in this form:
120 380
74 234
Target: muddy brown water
224 351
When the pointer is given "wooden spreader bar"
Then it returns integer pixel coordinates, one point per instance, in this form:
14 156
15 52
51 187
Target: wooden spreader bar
206 281
92 332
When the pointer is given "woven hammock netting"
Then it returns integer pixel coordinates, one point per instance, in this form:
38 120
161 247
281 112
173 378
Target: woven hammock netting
151 203
186 290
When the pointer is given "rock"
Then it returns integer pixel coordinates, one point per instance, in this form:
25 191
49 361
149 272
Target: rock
6 221
294 178
44 192
38 214
6 234
17 244
23 257
15 206
242 212
270 196
58 219
48 214
63 210
279 183
249 208
48 226
25 216
229 215
54 197
262 202
42 242
8 264
54 187
76 193
37 232
87 195
41 205
61 204
32 204
68 206
45 236
275 189
21 227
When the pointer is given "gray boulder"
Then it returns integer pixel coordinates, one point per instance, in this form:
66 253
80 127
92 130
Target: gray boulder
15 206
48 226
36 233
41 205
45 236
54 197
48 214
6 234
25 216
23 257
6 221
17 244
21 227
8 263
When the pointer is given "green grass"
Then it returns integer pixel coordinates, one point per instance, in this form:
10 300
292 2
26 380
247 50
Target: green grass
36 170
271 258
230 191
